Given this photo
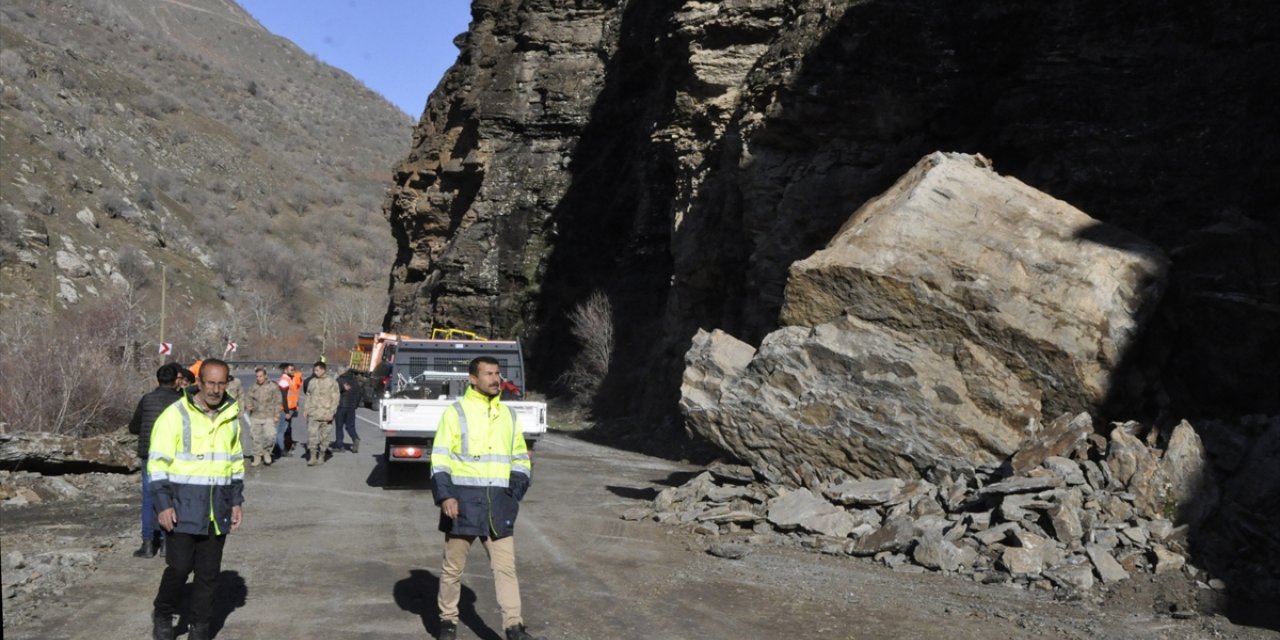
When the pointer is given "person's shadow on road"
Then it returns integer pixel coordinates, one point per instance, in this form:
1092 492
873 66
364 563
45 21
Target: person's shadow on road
232 593
417 594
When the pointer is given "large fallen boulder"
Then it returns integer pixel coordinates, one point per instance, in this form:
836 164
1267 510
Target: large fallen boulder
945 316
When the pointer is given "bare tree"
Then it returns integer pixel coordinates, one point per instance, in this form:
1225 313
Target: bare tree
591 323
261 308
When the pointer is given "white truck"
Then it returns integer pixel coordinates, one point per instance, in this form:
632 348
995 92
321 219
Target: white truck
427 376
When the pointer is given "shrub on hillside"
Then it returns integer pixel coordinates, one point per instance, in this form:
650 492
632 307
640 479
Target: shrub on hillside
78 374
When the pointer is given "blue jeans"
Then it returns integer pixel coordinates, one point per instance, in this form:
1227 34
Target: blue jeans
150 523
281 426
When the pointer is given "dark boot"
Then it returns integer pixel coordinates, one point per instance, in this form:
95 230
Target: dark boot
448 630
198 631
147 550
518 632
160 547
161 626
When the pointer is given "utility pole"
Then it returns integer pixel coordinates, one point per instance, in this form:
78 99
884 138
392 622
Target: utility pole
164 284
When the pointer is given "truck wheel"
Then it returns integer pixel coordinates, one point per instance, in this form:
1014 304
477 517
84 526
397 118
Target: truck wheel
390 472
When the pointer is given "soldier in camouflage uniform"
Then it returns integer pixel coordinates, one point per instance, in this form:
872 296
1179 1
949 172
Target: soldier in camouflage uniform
235 390
263 403
322 402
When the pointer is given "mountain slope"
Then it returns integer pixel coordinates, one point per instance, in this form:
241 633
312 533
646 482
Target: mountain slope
140 136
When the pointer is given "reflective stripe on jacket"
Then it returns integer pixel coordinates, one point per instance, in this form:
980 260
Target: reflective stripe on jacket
480 458
196 465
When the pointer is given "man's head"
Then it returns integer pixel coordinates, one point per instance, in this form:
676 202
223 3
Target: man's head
260 375
214 375
486 375
185 377
319 369
167 373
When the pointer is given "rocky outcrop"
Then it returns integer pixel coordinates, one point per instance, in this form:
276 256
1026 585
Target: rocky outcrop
681 155
53 453
929 332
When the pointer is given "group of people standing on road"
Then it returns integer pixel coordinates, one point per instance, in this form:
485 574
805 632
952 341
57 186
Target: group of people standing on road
277 404
189 437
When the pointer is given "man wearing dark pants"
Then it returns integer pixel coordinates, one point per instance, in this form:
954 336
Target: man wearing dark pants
345 418
197 479
150 406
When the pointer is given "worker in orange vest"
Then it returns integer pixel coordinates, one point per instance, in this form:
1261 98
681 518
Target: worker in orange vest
290 384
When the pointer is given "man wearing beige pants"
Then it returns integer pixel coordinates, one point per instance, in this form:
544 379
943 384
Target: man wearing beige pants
322 404
480 470
263 403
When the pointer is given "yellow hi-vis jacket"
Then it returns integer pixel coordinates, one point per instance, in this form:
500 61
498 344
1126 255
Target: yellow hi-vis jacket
196 465
479 457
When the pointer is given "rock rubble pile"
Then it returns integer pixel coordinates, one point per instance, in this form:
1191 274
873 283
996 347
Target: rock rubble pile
57 530
1070 511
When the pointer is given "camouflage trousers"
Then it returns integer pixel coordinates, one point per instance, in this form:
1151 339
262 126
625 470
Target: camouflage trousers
264 436
318 433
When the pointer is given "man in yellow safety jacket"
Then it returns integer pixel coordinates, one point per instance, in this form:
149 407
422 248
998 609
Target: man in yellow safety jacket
480 470
196 469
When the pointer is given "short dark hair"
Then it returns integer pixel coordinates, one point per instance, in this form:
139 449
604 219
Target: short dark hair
321 364
186 374
214 362
284 365
167 373
474 367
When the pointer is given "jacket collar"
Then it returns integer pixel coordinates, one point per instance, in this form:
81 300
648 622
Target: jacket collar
480 397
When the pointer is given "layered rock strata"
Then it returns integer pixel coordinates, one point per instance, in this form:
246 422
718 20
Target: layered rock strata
680 156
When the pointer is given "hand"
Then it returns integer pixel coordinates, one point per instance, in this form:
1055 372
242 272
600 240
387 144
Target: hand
237 516
168 518
450 508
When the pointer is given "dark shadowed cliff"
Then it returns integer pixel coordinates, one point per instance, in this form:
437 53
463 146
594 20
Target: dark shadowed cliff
679 156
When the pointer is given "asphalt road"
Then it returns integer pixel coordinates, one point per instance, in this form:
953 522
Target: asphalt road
330 552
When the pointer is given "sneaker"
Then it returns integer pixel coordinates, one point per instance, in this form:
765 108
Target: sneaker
355 445
448 630
518 632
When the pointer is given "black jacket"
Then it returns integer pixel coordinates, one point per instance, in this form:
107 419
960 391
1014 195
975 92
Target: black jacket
352 396
150 406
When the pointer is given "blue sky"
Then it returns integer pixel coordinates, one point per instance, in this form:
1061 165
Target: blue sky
398 48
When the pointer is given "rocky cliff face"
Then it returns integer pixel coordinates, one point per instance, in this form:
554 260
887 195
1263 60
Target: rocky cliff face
680 156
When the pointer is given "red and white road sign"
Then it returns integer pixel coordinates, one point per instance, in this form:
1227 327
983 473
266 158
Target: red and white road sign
231 346
166 348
